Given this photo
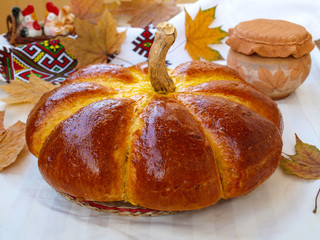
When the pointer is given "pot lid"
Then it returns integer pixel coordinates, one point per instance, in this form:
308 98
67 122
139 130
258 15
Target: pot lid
270 38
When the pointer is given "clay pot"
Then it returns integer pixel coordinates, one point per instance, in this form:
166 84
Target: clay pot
273 55
277 77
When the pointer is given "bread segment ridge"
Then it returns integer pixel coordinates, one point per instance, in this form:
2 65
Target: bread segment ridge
247 146
57 105
171 165
85 155
240 93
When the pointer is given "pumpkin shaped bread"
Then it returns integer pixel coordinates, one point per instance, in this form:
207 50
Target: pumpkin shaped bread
184 141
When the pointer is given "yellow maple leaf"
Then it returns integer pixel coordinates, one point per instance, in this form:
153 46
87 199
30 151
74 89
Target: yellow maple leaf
23 92
94 42
12 141
144 12
199 35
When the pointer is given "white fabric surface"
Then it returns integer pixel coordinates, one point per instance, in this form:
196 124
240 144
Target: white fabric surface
281 208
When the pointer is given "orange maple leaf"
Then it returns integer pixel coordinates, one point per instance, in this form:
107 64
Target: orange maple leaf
199 35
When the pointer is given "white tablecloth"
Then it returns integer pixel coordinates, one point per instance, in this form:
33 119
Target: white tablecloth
281 208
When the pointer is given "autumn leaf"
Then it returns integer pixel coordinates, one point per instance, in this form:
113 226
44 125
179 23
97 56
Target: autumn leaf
2 129
106 2
12 141
199 35
88 10
270 82
94 43
23 92
185 1
144 12
305 163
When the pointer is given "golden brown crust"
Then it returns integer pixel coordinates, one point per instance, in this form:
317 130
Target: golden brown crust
244 94
270 38
85 154
57 105
247 146
172 166
198 69
102 71
160 152
140 68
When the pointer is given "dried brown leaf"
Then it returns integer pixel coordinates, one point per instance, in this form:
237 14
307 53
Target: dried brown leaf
94 43
12 141
115 1
23 92
144 12
185 1
89 10
1 122
305 163
199 36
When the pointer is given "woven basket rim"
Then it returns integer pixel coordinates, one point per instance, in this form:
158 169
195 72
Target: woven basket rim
119 208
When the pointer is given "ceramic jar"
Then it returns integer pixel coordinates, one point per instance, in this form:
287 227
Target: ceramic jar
277 77
273 55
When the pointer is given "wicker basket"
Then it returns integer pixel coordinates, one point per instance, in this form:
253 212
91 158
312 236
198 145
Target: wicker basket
118 208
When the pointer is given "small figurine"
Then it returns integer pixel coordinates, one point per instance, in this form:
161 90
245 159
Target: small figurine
26 22
58 22
16 12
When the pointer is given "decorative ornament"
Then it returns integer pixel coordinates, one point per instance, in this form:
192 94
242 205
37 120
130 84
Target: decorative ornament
58 22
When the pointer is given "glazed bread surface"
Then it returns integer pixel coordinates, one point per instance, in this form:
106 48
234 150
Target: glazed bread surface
106 135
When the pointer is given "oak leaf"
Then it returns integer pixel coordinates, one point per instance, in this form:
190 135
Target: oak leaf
305 163
94 43
270 82
199 35
26 92
144 12
12 141
89 10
